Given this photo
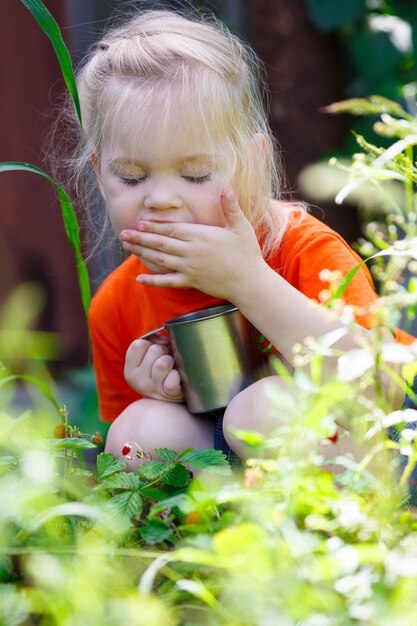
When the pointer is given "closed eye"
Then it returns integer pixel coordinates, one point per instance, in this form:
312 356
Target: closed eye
131 182
198 179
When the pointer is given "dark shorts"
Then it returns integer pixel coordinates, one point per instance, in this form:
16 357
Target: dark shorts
220 443
395 436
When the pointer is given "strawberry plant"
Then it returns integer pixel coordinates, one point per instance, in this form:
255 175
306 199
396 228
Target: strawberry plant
152 501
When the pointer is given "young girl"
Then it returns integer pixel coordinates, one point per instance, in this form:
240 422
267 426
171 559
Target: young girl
176 132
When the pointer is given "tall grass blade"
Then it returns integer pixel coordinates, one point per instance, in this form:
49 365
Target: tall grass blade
49 26
390 251
70 223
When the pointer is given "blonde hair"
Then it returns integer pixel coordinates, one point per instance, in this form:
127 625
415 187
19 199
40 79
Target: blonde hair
197 68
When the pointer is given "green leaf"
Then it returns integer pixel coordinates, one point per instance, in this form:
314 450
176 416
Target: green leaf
70 223
115 481
77 509
179 476
330 14
345 282
251 438
156 531
7 463
154 470
166 454
15 605
399 249
203 459
153 493
36 381
197 589
49 26
180 500
71 443
184 452
122 480
107 465
82 472
374 105
129 504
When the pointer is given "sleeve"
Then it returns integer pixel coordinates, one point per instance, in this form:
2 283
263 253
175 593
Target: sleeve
109 350
328 251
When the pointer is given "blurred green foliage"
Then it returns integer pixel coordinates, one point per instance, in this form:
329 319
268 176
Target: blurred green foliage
310 533
378 43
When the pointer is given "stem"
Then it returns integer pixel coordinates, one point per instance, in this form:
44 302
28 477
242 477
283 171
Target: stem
412 460
66 467
378 371
13 550
391 201
316 368
400 382
409 184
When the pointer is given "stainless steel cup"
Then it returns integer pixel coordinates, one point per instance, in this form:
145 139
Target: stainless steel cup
217 353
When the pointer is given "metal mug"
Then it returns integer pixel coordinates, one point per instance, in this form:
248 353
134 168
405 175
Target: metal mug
217 353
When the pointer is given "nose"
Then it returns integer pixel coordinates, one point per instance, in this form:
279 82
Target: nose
162 195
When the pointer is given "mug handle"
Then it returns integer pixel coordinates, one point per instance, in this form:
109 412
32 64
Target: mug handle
158 336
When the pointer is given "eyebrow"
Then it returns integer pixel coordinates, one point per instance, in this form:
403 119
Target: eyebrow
191 158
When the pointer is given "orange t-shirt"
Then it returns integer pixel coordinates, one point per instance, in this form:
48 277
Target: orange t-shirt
122 309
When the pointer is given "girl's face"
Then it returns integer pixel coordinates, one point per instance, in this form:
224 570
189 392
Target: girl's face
180 183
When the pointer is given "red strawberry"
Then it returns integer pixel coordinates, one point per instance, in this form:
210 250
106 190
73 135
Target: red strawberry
334 438
126 449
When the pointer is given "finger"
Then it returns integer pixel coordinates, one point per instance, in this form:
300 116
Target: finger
162 339
181 231
160 369
172 385
165 380
135 352
154 352
172 281
140 357
231 208
155 241
169 261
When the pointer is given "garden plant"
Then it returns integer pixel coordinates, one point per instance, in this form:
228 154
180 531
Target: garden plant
297 537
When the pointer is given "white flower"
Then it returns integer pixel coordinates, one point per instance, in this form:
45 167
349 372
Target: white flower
399 31
362 612
334 543
37 467
348 558
401 563
406 450
408 434
358 586
350 515
352 365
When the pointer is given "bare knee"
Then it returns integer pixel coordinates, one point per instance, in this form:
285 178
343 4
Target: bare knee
149 424
254 409
261 407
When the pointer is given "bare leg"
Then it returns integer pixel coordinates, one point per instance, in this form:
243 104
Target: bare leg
156 424
254 409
